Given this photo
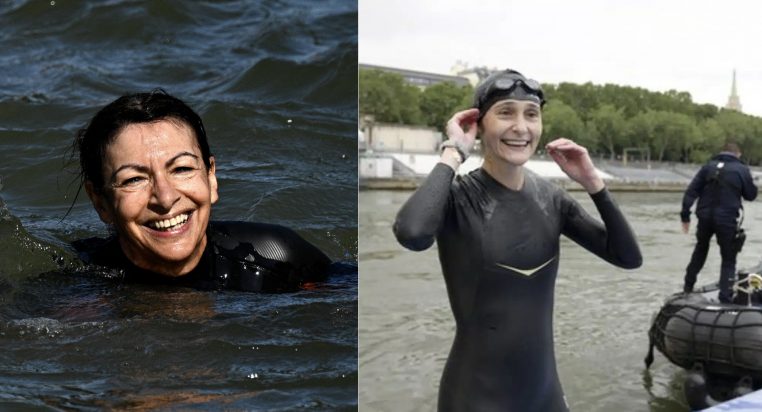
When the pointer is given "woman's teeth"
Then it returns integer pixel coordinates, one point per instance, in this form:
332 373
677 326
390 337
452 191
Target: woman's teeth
169 224
516 143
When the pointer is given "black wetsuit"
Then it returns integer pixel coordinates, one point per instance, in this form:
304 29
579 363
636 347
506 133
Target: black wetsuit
499 251
252 257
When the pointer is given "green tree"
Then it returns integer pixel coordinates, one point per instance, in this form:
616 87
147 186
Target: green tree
560 120
388 98
709 142
704 111
609 128
669 133
640 128
629 99
736 126
584 98
752 150
601 117
685 134
440 101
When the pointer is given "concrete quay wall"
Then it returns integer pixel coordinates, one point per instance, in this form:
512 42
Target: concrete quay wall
406 171
412 183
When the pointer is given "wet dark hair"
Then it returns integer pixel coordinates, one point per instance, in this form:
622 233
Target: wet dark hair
92 141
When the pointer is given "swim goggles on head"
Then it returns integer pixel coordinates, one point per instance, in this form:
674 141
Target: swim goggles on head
507 86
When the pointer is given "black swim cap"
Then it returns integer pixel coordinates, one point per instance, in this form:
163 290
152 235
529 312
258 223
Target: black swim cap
507 84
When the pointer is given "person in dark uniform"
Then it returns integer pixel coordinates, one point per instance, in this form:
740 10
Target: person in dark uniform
719 186
148 170
498 230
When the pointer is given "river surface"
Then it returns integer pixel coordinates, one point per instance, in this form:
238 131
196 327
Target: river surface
601 317
276 85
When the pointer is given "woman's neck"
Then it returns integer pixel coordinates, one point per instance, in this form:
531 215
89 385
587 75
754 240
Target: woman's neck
160 265
508 175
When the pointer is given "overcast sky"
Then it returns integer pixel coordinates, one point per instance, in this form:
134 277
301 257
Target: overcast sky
659 45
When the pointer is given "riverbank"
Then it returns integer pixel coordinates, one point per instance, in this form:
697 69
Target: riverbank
406 171
412 183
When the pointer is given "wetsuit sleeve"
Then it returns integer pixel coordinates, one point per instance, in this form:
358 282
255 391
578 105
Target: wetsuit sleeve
749 190
695 188
290 258
613 240
420 218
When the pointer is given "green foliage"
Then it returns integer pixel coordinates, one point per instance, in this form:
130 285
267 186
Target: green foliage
387 97
560 120
604 118
677 132
710 140
582 97
704 111
609 128
440 101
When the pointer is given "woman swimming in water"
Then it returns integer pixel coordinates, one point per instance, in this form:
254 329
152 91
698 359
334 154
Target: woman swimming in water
148 170
498 230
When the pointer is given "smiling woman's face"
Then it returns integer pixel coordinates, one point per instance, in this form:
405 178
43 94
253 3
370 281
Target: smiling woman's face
158 195
511 130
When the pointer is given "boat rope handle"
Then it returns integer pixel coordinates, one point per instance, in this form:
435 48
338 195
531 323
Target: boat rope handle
754 282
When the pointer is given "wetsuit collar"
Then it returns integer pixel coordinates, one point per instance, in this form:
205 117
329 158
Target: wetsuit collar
495 186
110 254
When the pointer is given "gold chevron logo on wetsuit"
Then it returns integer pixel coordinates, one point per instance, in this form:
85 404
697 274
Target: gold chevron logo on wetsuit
526 272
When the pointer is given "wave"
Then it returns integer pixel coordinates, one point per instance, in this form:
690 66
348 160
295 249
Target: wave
22 255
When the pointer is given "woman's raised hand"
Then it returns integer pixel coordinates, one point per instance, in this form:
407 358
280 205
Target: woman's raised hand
574 160
461 129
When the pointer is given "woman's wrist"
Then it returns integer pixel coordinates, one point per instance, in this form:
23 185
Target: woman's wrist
451 157
594 185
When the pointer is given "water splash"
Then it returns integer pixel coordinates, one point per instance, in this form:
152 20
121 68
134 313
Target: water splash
21 254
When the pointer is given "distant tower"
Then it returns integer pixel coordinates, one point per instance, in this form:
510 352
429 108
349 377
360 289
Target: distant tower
734 102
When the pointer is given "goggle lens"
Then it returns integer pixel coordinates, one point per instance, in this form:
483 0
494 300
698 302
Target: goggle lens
509 84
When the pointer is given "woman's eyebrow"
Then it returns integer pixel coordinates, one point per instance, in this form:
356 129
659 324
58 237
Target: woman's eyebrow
179 155
136 167
144 169
507 105
504 105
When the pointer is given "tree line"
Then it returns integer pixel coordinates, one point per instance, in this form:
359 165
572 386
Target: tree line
607 119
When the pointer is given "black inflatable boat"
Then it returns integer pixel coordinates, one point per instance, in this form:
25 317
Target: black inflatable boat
720 345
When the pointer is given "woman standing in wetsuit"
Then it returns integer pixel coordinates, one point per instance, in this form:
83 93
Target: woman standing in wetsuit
148 170
498 230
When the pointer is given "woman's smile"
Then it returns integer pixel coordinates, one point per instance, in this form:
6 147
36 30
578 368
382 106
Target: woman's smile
171 226
519 143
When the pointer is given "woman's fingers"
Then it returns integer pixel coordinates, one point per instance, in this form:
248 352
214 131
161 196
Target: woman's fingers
468 113
464 118
564 145
557 142
566 150
575 161
558 157
462 125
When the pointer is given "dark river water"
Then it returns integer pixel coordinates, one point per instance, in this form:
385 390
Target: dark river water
601 318
276 85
